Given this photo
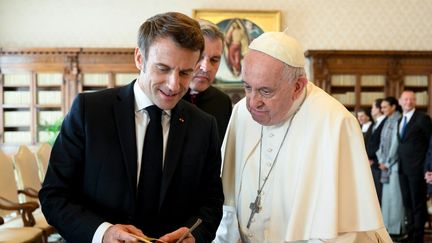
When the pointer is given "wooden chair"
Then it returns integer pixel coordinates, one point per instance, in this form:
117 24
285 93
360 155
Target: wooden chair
18 228
23 234
42 156
27 172
28 183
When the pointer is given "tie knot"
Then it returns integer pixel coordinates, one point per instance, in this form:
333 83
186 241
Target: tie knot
154 112
193 98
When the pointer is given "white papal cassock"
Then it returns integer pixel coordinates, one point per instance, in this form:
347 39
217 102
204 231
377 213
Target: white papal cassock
321 186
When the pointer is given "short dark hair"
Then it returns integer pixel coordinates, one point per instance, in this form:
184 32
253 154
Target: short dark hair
366 111
393 102
210 30
377 103
183 30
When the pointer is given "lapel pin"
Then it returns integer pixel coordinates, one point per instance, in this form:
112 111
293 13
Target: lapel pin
181 119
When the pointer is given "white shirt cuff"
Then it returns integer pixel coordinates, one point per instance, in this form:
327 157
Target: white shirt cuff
228 228
98 235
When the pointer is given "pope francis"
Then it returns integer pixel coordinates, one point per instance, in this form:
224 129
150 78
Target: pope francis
295 167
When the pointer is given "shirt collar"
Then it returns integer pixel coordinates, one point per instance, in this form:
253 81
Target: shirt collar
366 126
380 119
409 114
141 99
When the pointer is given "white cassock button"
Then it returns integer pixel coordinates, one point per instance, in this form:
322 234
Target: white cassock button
250 235
269 164
269 150
271 135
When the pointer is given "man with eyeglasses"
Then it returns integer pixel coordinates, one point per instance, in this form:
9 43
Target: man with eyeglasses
295 167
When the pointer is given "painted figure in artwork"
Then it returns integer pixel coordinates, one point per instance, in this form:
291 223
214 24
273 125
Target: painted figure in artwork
236 40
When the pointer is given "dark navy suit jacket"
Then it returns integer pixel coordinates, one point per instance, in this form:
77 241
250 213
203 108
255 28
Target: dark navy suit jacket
92 173
414 144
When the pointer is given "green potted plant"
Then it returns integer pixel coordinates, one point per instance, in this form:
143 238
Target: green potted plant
53 129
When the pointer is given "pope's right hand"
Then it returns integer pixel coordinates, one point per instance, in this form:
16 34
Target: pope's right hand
120 233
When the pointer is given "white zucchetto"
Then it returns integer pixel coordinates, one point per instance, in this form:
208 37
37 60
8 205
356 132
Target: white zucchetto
280 46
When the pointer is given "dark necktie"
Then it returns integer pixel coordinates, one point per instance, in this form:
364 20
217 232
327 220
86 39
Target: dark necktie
151 173
404 123
194 98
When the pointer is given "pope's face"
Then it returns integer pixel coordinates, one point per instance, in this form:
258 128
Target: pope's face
269 92
166 73
208 65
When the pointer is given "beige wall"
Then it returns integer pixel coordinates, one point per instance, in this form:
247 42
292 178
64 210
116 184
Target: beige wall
318 24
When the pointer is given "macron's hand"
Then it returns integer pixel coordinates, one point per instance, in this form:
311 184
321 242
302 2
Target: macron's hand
120 233
175 235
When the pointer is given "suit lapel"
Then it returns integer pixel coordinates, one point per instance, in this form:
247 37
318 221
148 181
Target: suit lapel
177 132
410 124
124 115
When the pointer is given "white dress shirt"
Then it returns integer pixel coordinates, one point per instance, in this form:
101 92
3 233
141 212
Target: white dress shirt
378 122
142 119
365 127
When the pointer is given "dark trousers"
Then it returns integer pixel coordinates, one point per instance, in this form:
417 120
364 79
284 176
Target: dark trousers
376 174
414 198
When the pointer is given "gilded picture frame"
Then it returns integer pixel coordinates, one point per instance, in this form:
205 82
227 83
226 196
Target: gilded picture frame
240 28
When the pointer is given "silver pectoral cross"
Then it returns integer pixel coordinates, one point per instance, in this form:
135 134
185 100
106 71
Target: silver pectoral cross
255 208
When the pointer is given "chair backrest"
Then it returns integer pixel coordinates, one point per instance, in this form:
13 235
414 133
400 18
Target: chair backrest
42 156
8 184
27 169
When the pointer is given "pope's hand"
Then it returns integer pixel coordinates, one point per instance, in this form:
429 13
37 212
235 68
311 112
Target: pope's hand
121 233
175 235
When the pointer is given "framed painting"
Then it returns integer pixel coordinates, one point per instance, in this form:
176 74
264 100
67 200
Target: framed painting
240 28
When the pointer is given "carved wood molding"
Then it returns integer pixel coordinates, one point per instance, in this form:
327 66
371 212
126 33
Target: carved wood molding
395 66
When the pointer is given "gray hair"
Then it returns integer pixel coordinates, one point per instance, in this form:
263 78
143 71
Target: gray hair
210 30
293 73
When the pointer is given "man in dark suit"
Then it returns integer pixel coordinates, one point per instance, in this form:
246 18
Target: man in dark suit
106 179
201 92
372 144
414 133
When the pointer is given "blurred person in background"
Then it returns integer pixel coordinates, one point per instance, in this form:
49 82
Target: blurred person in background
414 133
201 92
391 200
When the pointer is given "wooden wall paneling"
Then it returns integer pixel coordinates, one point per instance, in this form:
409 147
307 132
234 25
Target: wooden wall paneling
71 81
34 61
33 103
1 110
395 66
107 61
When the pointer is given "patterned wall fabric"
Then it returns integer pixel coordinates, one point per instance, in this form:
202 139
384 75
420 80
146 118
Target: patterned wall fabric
318 24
